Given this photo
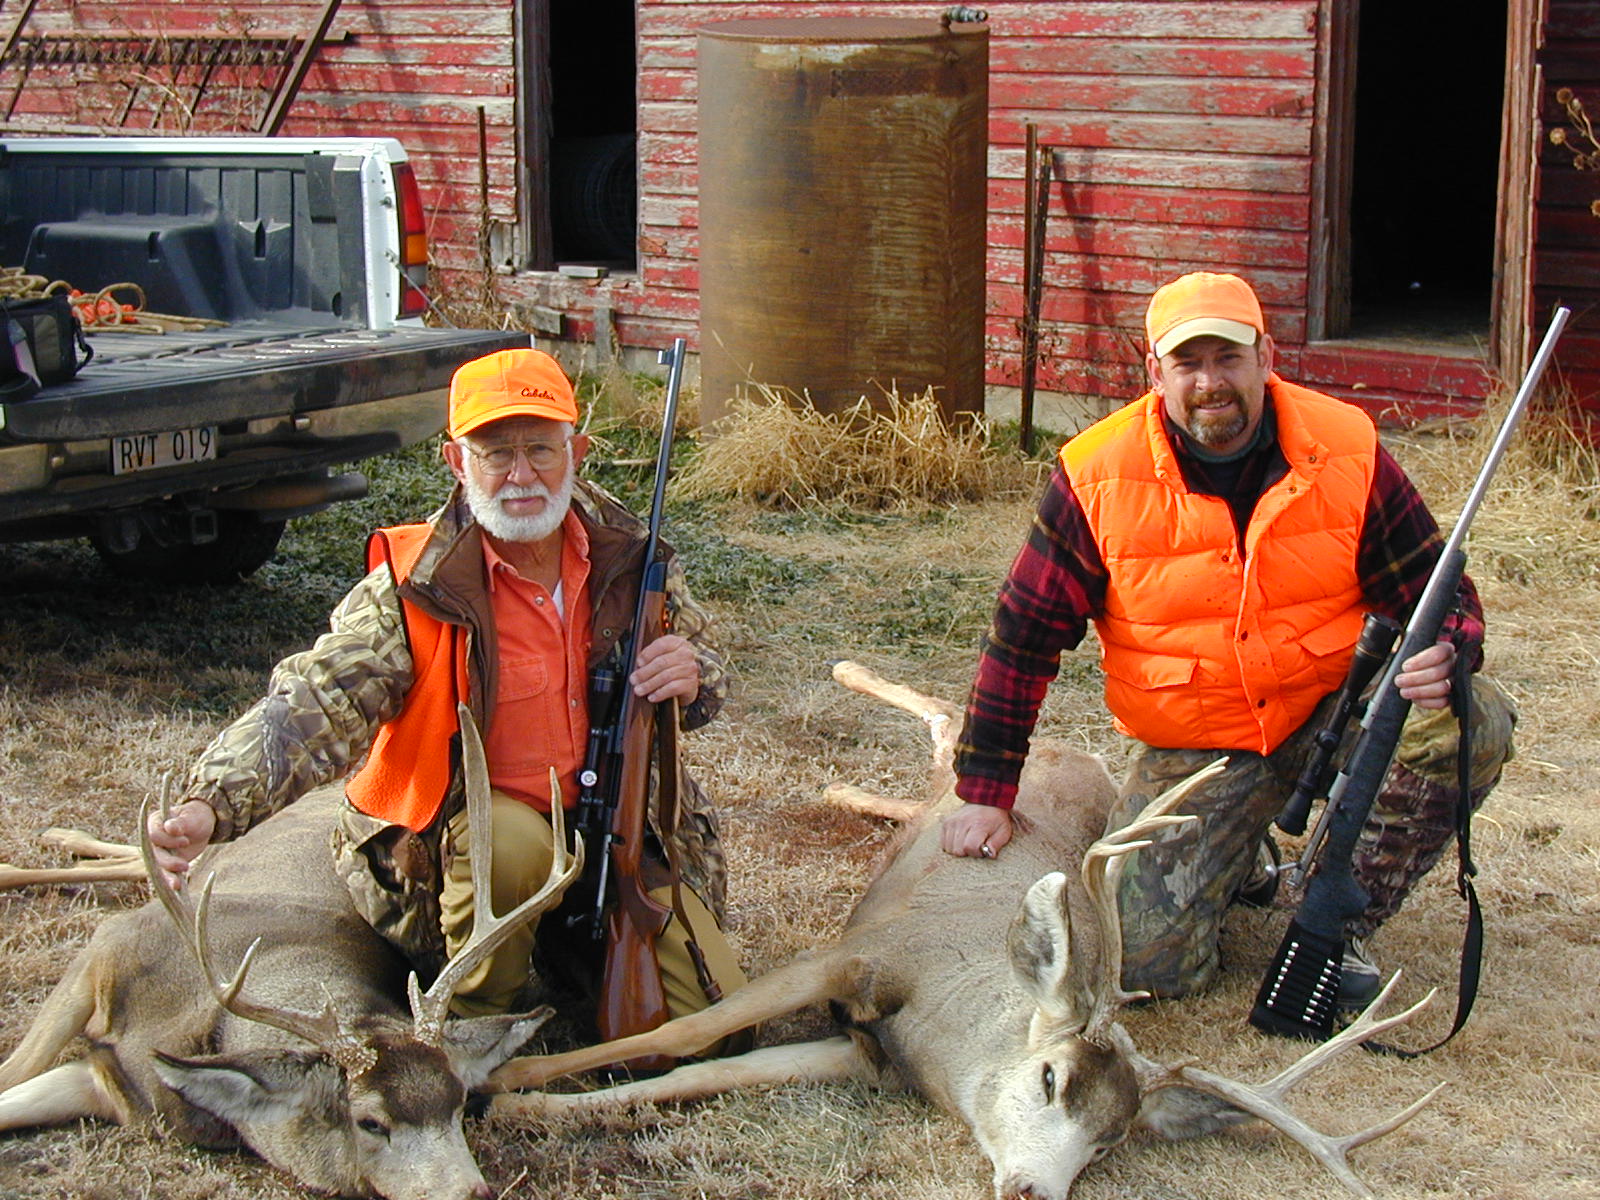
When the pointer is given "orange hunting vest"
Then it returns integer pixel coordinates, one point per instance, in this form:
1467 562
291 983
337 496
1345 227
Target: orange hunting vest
407 771
1203 648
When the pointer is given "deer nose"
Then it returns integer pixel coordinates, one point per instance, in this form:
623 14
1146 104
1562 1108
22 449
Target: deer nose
482 1191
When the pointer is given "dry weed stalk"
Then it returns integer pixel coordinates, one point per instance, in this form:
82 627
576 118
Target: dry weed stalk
615 396
780 450
1580 139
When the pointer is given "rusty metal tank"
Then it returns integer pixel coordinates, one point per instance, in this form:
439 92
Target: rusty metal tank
843 187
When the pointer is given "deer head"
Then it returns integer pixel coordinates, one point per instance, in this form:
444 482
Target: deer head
1071 1094
368 1106
1080 1086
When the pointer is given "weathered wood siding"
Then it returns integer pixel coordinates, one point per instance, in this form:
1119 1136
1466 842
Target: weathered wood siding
1567 232
1184 132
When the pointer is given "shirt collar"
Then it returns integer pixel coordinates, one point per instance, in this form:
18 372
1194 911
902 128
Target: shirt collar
574 550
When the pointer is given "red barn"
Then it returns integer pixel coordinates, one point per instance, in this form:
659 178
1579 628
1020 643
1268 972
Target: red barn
1385 178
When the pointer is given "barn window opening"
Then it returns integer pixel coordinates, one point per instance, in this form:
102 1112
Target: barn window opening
1429 85
586 126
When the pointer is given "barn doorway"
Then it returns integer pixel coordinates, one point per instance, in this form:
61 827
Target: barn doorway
1409 170
1429 85
580 133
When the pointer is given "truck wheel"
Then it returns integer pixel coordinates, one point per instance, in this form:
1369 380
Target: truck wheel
243 545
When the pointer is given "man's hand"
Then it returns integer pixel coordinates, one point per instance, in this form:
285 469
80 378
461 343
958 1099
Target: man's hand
667 667
976 831
1424 678
179 839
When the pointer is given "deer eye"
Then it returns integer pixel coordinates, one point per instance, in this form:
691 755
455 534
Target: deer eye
1049 1081
373 1126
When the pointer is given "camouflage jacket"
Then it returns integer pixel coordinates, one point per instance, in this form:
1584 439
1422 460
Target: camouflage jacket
324 706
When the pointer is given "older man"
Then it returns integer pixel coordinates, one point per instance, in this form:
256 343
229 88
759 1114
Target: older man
1226 533
508 598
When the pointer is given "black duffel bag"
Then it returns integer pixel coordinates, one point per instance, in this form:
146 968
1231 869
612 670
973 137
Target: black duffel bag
41 346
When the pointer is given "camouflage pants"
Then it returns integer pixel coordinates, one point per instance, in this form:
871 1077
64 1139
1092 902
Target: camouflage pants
1174 892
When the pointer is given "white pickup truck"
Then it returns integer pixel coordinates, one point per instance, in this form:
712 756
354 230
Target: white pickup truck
181 454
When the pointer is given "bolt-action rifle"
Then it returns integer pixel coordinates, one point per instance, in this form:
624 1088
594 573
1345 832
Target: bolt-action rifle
614 796
1298 996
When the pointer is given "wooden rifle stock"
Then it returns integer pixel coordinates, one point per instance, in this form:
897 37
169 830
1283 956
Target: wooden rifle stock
631 997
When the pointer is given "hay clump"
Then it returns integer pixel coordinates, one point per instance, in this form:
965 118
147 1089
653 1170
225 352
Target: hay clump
778 449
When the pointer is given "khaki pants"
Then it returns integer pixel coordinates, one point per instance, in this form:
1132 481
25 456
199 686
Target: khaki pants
1175 891
524 846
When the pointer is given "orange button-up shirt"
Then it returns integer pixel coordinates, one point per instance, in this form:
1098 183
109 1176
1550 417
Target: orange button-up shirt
541 713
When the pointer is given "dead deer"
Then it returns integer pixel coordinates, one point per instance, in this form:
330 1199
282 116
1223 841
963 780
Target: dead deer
305 1054
991 987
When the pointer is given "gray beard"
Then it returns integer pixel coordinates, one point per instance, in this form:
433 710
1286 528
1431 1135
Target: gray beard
497 523
1214 429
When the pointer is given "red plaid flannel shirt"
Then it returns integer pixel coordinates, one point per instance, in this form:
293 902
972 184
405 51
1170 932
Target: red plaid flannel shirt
1058 582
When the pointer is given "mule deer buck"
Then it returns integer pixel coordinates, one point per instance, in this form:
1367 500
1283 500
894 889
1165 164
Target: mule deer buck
306 1054
1013 1030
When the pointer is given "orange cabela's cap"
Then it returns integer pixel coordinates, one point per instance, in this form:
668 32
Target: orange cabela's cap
510 383
1203 304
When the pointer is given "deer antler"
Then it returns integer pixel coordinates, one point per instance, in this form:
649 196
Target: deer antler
1102 868
1266 1100
428 1010
322 1030
107 862
942 718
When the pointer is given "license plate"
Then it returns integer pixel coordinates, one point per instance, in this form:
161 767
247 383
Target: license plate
146 451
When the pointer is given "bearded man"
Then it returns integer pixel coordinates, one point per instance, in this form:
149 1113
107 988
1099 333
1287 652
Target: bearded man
1226 533
509 599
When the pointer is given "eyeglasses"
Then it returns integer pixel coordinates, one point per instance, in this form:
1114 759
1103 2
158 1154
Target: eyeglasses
502 460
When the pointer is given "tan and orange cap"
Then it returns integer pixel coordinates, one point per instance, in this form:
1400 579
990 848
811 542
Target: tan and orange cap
1201 304
510 383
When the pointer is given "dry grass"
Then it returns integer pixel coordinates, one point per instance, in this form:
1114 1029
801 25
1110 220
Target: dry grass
780 450
88 721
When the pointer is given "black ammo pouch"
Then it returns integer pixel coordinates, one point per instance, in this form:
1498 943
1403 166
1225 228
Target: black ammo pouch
41 345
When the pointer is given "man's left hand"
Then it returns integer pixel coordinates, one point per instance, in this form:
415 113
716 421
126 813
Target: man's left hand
667 667
1424 678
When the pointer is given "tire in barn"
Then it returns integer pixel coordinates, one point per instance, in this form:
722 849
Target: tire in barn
594 207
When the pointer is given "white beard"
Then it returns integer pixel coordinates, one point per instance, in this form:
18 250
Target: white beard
498 523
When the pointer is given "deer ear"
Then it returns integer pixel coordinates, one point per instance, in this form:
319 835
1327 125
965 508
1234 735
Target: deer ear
1040 945
477 1045
242 1089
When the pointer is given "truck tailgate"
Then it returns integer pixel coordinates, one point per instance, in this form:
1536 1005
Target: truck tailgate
241 372
263 403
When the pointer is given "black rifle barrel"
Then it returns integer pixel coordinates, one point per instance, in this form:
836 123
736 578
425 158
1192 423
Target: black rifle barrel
1378 633
1297 997
1386 713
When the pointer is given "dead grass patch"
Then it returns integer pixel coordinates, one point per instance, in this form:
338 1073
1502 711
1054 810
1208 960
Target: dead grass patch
778 449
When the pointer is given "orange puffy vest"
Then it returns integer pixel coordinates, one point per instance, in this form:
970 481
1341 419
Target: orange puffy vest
1203 648
407 771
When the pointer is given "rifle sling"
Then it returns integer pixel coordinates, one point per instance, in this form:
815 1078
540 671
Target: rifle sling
669 768
1472 941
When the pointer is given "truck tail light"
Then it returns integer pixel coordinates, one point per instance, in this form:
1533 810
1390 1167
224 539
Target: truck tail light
413 242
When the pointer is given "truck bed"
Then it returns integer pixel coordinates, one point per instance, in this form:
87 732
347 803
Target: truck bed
182 455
